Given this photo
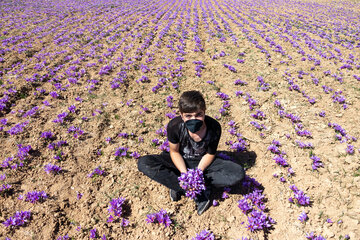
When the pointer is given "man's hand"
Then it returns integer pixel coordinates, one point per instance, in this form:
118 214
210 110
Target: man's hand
205 161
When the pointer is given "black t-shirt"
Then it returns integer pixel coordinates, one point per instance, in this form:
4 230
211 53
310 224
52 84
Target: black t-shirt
189 149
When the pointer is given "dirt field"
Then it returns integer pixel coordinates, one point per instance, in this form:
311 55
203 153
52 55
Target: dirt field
115 71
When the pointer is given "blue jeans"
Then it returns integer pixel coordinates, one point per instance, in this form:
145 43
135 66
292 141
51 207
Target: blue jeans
220 173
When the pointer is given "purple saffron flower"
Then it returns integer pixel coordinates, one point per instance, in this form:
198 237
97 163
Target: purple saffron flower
54 94
135 155
303 217
224 195
72 108
4 188
301 198
96 172
116 209
121 152
160 217
78 195
19 219
35 196
51 168
3 121
204 235
66 237
93 233
350 149
47 135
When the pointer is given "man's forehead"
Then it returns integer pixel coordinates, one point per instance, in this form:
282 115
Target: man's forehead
194 113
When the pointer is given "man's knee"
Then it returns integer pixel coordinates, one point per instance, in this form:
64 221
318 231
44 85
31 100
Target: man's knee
142 164
237 173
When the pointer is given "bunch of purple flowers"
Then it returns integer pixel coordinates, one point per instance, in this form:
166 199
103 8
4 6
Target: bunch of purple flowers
263 86
97 171
47 135
66 237
204 235
304 145
77 131
259 115
192 182
23 152
18 128
253 205
257 219
303 217
159 217
316 162
122 152
116 208
300 196
231 68
34 196
19 219
52 168
312 236
4 188
199 66
280 155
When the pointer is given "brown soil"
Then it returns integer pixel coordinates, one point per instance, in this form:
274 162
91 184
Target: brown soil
333 189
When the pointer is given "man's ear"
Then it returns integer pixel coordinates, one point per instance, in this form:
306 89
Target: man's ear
182 116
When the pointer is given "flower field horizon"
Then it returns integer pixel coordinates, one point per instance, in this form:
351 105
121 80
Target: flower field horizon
88 87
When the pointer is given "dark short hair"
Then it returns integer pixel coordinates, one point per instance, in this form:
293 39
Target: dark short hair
191 101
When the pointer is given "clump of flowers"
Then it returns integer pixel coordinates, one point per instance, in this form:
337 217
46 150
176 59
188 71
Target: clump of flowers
4 188
76 130
300 196
60 117
97 172
34 196
93 233
116 209
19 219
303 217
253 206
231 68
192 182
316 162
199 66
263 86
18 128
47 135
66 237
259 115
312 236
280 155
122 152
350 149
204 235
160 217
304 145
52 168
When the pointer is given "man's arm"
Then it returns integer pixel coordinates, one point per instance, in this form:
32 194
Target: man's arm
177 158
205 161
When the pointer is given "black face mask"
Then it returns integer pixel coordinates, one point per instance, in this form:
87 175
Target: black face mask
193 125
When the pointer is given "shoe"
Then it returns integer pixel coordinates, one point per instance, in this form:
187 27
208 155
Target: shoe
203 202
175 196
